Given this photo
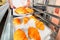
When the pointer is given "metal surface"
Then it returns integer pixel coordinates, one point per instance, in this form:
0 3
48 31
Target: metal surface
7 27
3 9
2 23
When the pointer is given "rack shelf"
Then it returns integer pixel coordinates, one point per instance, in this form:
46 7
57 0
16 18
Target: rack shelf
47 21
56 6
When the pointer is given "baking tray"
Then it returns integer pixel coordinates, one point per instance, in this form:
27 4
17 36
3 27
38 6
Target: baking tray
15 14
47 32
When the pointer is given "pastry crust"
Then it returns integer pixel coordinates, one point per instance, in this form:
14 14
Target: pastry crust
30 10
16 21
33 33
19 35
32 17
21 10
25 20
39 25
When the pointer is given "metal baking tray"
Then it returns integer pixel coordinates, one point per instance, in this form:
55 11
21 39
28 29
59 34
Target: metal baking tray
47 31
15 14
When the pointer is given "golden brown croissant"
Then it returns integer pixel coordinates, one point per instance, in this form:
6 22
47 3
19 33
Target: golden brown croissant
19 35
21 10
40 25
16 21
33 33
30 10
25 20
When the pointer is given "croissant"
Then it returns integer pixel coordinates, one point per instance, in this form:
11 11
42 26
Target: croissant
33 33
40 25
30 10
19 35
16 21
21 10
25 20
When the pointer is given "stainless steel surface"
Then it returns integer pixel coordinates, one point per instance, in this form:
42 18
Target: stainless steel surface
2 23
6 31
3 9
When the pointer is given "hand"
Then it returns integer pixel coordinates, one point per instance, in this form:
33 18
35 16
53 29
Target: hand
58 35
12 6
52 27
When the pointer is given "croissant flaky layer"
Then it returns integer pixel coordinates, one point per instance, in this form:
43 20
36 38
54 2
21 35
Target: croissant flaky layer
19 35
33 33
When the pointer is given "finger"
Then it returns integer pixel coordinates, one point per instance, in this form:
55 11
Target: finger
58 35
14 7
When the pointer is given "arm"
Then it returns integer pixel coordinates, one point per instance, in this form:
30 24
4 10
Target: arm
10 3
58 35
28 3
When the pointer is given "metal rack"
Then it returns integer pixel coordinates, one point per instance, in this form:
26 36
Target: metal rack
46 13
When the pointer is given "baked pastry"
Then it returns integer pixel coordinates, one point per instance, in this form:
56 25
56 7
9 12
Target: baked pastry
25 20
19 35
30 10
33 33
16 21
40 25
32 17
21 10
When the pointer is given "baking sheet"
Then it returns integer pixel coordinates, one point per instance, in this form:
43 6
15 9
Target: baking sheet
45 34
14 13
8 29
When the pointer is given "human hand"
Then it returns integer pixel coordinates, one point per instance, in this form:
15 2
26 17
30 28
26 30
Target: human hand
58 35
12 6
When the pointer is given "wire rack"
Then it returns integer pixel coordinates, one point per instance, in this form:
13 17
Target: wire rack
48 15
